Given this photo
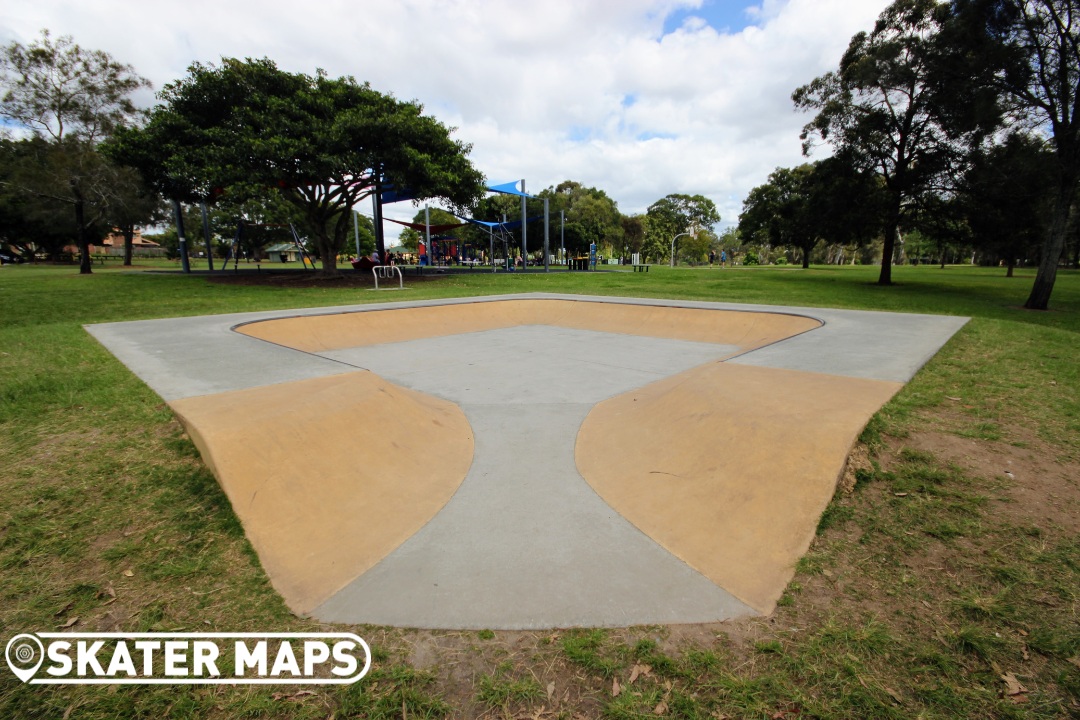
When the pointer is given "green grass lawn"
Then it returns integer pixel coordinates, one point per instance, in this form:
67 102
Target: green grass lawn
954 560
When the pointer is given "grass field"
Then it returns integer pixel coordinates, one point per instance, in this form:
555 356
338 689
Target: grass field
944 581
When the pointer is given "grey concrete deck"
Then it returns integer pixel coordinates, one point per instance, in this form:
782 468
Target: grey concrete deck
525 542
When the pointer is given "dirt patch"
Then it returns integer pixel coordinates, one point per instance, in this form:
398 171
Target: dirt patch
858 459
1038 488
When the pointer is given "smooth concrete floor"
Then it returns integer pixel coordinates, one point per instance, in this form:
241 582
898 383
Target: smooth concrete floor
526 541
524 521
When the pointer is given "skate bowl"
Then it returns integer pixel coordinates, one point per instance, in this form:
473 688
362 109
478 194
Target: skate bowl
530 461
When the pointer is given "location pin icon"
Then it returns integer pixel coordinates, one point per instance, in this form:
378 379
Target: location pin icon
24 655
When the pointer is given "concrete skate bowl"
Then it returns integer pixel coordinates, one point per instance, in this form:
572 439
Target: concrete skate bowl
533 463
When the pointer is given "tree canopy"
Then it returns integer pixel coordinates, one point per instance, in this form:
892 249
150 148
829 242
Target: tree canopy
675 214
881 109
1007 196
324 143
58 90
69 99
591 215
783 209
1028 52
827 200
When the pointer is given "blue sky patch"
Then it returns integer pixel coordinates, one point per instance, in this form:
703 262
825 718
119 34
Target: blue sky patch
725 16
579 133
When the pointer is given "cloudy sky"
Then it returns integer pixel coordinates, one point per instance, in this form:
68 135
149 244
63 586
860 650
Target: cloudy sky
640 98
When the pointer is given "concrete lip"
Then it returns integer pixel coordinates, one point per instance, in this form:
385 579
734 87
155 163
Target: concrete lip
529 461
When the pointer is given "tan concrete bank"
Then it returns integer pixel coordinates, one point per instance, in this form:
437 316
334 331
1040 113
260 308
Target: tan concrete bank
321 510
321 333
529 461
729 467
319 507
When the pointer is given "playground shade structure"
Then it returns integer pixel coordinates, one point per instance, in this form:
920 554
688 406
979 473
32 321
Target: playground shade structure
537 462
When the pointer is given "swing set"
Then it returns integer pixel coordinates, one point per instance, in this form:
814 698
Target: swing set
234 248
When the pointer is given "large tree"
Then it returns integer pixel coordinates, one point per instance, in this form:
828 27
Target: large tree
325 143
133 205
1007 196
72 98
633 234
1029 52
591 215
29 223
881 108
783 210
830 200
849 201
675 214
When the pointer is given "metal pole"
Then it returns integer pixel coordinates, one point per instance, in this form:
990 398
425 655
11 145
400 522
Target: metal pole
673 247
524 245
356 230
206 236
380 237
427 234
184 264
545 234
562 237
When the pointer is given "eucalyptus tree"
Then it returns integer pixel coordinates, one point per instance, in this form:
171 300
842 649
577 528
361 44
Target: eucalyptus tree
882 109
1008 197
71 98
1028 51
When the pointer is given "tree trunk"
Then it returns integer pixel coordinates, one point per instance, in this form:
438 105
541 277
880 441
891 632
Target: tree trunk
1052 248
892 232
885 278
328 256
806 260
129 238
83 241
1010 264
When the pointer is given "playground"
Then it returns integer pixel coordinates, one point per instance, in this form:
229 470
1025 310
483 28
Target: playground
529 461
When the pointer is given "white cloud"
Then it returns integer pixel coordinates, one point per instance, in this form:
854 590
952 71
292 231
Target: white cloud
564 89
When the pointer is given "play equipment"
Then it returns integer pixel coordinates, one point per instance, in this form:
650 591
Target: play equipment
234 248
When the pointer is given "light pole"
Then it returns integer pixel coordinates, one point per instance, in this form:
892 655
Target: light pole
673 246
